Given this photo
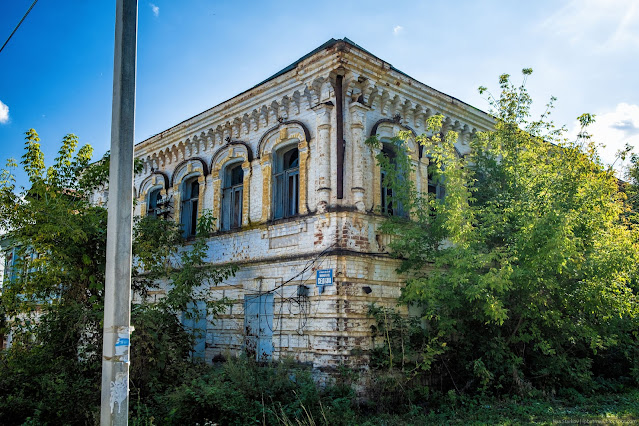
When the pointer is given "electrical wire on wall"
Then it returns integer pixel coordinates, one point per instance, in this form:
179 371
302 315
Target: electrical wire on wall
302 301
299 298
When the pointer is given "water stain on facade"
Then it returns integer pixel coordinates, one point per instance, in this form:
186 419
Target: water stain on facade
306 196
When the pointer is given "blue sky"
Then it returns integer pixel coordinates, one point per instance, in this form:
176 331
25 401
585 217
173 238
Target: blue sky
56 72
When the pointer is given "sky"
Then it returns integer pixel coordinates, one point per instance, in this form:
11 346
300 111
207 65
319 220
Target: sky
56 73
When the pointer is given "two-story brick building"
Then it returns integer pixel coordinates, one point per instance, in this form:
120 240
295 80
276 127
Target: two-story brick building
285 168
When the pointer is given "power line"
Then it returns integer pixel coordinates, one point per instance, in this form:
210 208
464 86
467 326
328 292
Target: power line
18 26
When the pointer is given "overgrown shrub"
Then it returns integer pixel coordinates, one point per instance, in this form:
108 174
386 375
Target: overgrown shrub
241 391
525 271
44 376
52 301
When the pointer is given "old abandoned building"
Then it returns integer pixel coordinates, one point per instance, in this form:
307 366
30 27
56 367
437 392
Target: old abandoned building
299 199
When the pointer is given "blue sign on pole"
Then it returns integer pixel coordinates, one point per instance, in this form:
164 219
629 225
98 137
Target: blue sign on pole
324 278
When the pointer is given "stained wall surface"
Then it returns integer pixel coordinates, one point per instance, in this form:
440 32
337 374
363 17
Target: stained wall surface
278 258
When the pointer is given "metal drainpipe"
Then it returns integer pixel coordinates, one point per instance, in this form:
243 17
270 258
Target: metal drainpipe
339 100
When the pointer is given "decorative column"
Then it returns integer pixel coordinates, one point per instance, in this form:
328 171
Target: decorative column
246 191
358 124
216 183
176 202
265 165
323 183
142 201
201 180
302 148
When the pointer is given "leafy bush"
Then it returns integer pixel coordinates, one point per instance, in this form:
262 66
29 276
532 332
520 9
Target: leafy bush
525 271
52 302
241 392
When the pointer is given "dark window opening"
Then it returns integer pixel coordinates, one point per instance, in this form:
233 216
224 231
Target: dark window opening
390 205
153 205
190 197
286 184
232 197
435 188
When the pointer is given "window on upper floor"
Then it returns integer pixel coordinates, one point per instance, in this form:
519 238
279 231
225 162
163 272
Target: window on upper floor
10 262
233 181
189 206
153 203
286 173
390 205
19 262
435 187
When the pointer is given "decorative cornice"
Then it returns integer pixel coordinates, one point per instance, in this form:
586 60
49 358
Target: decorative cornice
368 80
393 121
260 145
249 151
164 176
205 168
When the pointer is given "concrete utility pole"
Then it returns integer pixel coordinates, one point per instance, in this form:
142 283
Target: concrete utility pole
117 288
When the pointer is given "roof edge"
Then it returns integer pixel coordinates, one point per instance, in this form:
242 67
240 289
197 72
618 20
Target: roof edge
294 65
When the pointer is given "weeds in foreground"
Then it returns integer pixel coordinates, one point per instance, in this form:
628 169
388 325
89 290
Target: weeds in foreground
240 392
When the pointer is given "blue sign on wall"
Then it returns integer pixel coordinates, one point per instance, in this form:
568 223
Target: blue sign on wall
324 278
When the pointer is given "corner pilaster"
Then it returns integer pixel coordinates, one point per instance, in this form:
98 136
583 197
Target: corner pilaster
358 124
246 190
323 183
267 197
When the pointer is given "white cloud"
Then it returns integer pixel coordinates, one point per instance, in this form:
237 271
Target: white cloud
4 113
155 9
614 129
599 24
398 29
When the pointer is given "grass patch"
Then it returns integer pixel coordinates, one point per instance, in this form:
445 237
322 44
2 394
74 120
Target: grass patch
609 409
241 392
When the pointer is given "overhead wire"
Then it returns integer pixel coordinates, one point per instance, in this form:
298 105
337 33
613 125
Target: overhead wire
296 299
18 26
308 266
301 301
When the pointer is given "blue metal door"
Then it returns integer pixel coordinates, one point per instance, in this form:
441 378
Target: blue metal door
194 322
258 326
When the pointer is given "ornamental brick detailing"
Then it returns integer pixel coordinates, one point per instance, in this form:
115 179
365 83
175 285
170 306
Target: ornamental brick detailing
279 258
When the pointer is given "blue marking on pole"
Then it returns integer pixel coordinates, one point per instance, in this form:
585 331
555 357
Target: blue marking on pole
122 342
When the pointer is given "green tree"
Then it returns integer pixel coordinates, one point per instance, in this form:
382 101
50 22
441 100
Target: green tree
526 269
53 302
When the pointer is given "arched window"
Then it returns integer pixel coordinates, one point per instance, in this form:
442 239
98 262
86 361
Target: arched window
435 185
390 205
152 204
188 214
286 173
233 182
